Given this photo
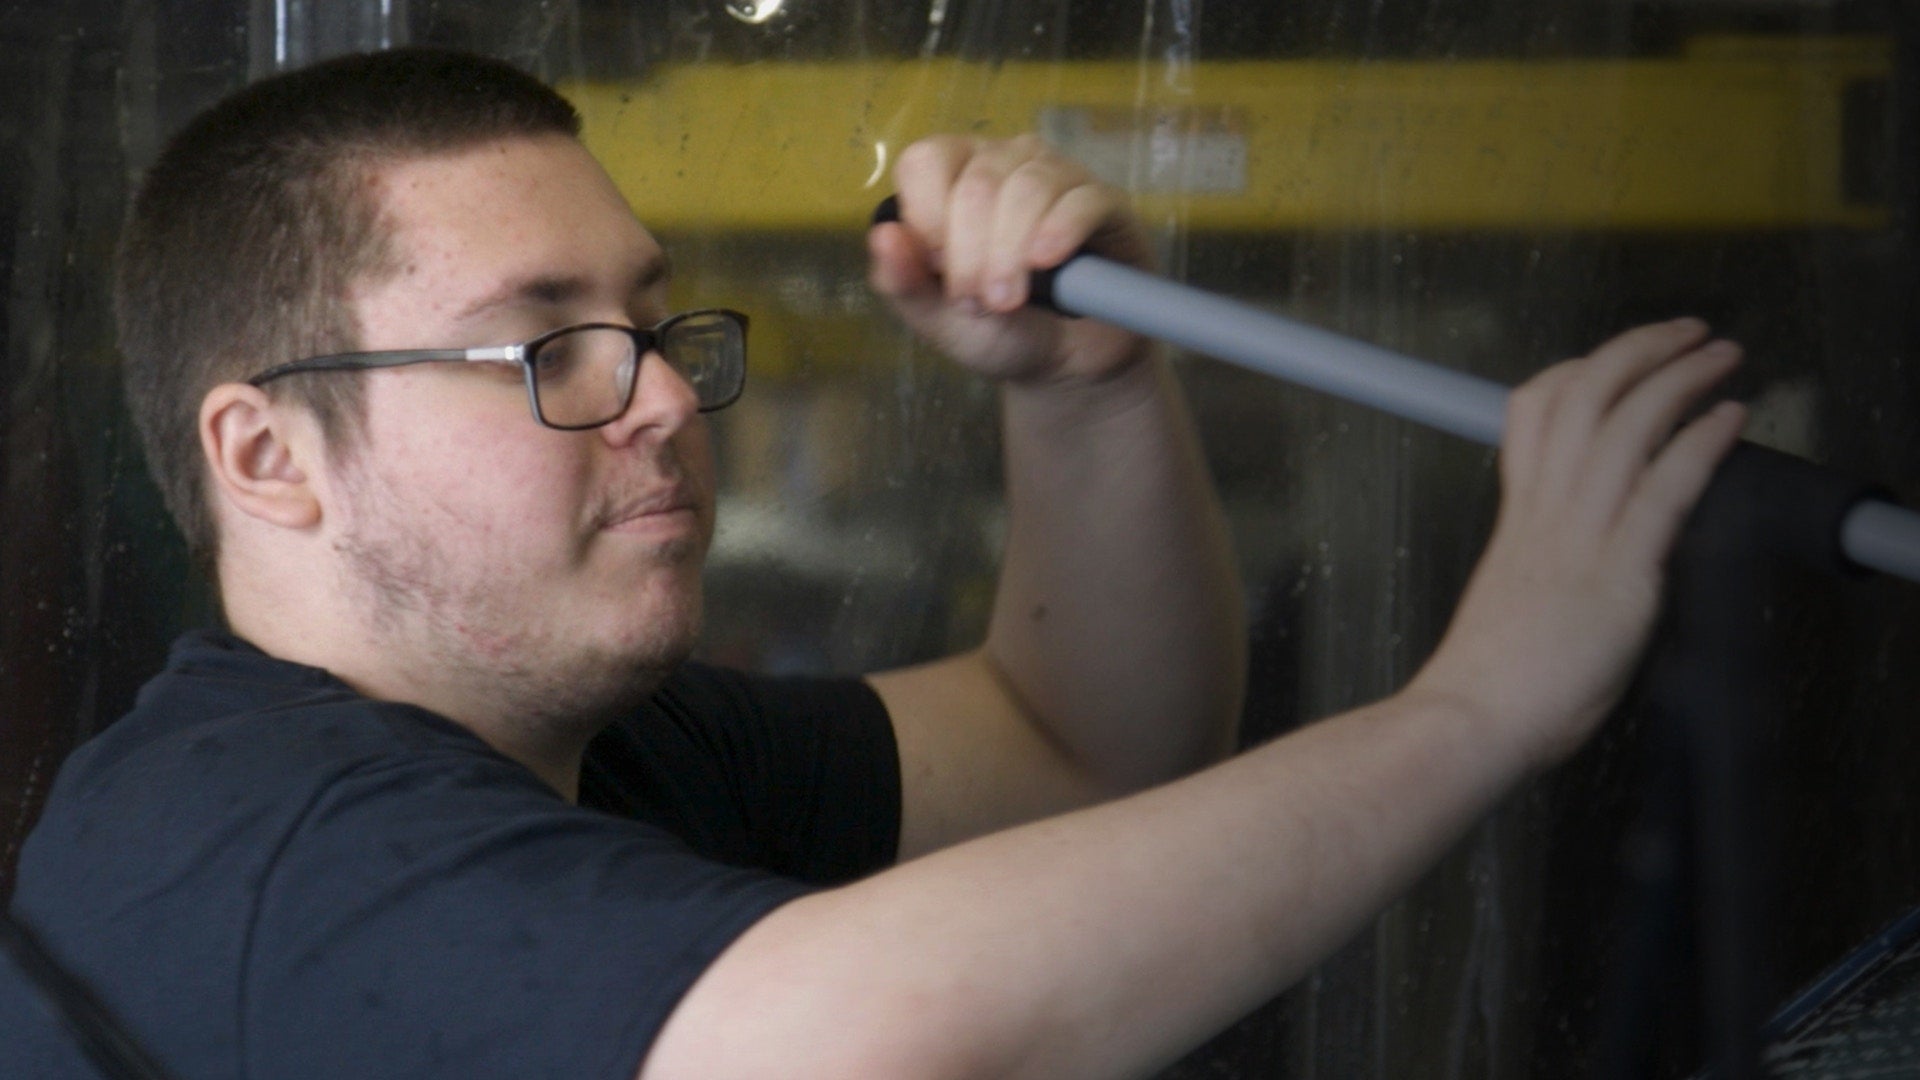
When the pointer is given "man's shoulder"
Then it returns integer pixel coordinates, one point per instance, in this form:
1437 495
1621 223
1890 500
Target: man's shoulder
227 740
226 706
248 818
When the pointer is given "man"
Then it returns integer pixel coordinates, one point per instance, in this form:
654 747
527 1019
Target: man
449 803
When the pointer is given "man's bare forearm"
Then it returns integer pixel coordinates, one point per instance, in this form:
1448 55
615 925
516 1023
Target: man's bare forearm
1118 619
1105 942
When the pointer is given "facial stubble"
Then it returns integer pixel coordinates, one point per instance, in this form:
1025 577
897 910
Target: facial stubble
482 625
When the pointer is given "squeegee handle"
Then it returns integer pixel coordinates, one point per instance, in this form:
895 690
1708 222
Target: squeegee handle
1816 515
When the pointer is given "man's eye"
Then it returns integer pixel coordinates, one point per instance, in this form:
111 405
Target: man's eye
556 360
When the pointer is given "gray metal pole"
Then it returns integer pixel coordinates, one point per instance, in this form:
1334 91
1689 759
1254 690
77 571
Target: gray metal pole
1460 404
1874 534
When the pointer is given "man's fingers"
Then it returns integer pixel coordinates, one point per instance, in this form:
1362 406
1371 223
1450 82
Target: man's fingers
1644 419
986 214
1028 195
992 211
898 264
1587 454
1090 214
1530 412
970 209
1630 349
922 177
1001 191
1605 376
1672 484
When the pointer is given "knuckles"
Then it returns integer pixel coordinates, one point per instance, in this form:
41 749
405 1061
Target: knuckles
1039 177
1537 394
974 171
928 155
1028 143
974 189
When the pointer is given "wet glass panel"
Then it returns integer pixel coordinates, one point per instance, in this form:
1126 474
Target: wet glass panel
1490 186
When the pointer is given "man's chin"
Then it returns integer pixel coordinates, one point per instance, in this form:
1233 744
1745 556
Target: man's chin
586 692
633 666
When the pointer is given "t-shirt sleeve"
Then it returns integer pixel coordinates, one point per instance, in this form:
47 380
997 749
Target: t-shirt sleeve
445 915
797 776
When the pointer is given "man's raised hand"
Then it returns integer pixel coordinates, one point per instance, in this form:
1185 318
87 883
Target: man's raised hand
1598 475
977 216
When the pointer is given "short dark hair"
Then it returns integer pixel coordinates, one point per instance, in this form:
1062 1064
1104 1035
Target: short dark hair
249 230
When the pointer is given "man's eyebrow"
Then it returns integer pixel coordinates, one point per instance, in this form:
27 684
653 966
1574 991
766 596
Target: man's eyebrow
556 289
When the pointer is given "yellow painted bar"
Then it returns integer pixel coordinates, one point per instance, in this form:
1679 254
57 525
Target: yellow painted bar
1731 134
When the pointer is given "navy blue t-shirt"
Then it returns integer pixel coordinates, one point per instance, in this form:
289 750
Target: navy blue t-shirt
266 874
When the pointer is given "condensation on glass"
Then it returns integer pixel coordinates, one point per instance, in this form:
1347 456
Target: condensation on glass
1490 186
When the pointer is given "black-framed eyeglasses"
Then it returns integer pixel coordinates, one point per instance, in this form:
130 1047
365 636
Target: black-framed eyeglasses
583 376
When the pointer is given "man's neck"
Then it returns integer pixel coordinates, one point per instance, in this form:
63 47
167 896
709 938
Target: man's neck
553 756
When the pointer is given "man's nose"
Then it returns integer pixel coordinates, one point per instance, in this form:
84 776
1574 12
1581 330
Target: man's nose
663 403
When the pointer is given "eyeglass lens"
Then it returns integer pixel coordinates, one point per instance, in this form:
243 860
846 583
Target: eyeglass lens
709 351
585 377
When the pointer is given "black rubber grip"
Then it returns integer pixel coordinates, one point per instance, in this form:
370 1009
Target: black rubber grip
888 210
1792 506
1039 283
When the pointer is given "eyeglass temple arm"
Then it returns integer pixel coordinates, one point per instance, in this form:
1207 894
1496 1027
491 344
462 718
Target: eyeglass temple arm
497 354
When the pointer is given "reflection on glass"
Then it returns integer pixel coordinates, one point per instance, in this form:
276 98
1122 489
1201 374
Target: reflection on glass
754 12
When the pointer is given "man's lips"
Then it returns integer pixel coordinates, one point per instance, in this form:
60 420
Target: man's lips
670 504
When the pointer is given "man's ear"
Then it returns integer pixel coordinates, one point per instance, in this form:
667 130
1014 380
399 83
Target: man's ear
258 456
